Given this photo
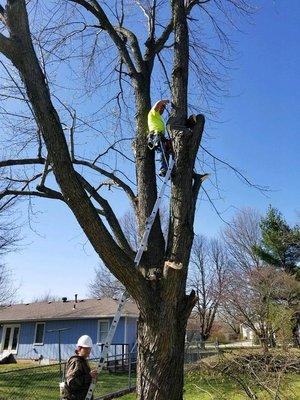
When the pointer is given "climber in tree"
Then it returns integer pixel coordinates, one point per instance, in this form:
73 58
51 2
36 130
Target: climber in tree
156 136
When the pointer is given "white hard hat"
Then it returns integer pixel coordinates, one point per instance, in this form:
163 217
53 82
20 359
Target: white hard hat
85 341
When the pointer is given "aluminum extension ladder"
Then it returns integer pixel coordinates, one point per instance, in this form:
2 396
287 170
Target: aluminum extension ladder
124 296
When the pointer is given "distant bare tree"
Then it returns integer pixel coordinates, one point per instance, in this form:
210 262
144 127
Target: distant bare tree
230 317
208 276
261 298
241 235
46 297
104 284
9 232
7 288
129 225
8 240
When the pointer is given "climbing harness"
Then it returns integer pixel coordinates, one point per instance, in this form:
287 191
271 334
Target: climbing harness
143 245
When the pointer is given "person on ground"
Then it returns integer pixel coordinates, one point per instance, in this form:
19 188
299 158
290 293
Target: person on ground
78 372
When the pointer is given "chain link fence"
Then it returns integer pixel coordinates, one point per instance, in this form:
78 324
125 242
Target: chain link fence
42 382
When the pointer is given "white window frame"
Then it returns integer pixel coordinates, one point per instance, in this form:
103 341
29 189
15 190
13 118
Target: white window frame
35 331
13 326
98 330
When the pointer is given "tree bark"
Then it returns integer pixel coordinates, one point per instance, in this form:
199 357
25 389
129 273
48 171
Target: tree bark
161 339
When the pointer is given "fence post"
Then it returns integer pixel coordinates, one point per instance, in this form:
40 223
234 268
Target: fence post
129 370
123 354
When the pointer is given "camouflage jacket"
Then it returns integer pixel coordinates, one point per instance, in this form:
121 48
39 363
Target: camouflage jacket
77 379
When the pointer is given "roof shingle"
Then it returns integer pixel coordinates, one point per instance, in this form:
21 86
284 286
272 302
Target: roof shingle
59 310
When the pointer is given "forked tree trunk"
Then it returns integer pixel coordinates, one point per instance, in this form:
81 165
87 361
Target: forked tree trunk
161 339
164 305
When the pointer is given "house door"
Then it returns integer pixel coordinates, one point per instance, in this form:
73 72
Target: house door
10 338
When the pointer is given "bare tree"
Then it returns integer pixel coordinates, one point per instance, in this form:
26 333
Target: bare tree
45 161
8 239
261 298
129 225
208 278
46 297
105 284
241 236
7 287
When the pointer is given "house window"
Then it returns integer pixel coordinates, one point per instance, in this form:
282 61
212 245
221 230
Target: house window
103 330
7 338
10 338
15 338
39 333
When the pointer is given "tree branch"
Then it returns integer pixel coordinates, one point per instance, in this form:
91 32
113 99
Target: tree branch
192 3
24 161
50 192
27 161
2 15
109 215
154 47
134 46
159 44
95 8
127 189
45 173
262 189
6 46
47 193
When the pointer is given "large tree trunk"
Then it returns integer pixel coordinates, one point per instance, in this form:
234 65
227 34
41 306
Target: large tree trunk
161 338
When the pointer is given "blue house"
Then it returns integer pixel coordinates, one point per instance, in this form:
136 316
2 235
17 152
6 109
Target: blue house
31 331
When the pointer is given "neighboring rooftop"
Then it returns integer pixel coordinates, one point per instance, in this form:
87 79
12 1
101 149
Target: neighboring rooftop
66 309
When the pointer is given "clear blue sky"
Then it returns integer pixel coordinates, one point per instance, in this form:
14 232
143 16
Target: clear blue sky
259 134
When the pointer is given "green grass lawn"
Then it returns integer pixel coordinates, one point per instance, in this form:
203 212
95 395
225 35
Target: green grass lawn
204 387
42 383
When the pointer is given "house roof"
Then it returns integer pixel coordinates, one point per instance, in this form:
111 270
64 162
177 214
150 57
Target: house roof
59 310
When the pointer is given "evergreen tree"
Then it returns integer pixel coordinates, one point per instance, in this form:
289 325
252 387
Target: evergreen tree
280 245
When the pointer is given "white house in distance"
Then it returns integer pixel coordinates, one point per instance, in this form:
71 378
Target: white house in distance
246 332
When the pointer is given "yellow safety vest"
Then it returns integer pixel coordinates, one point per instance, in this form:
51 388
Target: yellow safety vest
155 121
